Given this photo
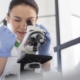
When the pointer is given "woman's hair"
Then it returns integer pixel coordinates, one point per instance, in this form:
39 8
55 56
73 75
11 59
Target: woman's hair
31 3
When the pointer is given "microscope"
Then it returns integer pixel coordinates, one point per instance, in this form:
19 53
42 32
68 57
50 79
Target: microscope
28 57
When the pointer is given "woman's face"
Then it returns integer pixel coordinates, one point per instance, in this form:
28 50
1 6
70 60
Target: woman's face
18 18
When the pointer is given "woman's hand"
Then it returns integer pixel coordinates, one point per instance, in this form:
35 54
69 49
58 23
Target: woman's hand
7 41
44 49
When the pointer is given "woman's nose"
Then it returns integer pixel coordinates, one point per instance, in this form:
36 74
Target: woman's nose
23 25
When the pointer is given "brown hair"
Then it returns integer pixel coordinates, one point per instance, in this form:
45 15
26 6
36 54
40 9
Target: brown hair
31 3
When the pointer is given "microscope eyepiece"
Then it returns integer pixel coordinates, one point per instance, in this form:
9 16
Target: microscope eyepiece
29 22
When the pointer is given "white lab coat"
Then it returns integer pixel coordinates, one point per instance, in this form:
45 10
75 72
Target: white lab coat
12 65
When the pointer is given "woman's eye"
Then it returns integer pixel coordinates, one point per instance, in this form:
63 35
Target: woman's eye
17 20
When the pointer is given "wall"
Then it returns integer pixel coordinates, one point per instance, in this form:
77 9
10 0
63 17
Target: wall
75 23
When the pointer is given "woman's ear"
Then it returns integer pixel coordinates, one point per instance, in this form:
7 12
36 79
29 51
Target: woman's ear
7 18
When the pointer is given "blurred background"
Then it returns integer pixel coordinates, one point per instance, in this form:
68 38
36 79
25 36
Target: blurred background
69 27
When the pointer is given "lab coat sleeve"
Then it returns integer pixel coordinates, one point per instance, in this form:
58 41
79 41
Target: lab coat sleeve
11 65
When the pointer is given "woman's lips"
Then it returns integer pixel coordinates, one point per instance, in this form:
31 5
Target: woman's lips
22 33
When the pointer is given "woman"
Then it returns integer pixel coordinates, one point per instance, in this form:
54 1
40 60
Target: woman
20 11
